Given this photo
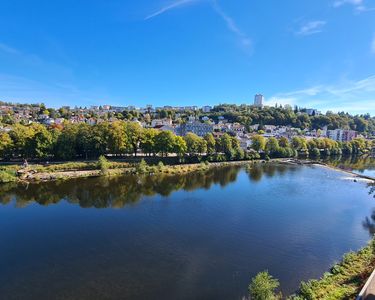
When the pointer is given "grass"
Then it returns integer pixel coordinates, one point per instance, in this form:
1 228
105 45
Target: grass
345 279
61 170
8 174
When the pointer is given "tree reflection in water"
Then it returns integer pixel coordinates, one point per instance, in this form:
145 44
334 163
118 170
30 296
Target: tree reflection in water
114 192
257 171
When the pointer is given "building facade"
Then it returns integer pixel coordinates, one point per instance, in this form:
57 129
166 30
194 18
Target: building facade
341 135
198 128
258 100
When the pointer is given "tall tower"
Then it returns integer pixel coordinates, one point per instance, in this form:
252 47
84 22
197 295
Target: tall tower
258 100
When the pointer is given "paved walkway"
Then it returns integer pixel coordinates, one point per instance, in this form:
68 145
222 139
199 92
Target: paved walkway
368 291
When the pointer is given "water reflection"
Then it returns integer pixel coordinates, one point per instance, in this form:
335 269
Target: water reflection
257 171
215 238
113 192
117 192
360 164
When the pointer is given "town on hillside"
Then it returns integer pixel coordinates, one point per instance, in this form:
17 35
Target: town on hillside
239 121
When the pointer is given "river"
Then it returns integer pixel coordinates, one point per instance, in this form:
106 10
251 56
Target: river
196 236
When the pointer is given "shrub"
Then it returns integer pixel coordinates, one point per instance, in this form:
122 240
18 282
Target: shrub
7 176
263 287
160 166
315 152
103 165
142 167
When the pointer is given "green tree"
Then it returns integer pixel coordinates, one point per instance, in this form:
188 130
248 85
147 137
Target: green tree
258 143
117 139
263 287
299 143
40 145
192 143
147 143
20 135
164 142
211 143
6 144
272 145
66 143
134 134
179 146
283 142
202 146
226 145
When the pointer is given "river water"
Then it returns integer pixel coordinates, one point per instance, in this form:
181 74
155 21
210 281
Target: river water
197 236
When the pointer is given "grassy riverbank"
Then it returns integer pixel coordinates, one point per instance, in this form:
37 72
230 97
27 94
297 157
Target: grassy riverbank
54 171
37 172
343 282
345 279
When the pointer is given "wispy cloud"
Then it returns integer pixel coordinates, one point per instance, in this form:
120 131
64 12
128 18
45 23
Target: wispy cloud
230 23
7 49
359 5
347 95
339 3
171 6
311 27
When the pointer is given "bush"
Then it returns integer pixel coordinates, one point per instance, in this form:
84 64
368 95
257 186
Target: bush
239 154
252 154
315 152
160 166
70 166
263 287
103 165
345 279
142 167
7 176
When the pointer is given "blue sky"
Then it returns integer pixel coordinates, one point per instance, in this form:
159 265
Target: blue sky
315 53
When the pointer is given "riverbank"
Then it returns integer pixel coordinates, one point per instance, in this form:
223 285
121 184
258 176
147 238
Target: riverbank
70 170
345 279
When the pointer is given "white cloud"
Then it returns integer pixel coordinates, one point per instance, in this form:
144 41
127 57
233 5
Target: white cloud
230 23
232 26
7 49
359 5
355 96
339 3
311 27
171 6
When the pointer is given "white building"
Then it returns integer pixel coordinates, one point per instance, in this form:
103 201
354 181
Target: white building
341 135
258 100
312 112
161 122
206 109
